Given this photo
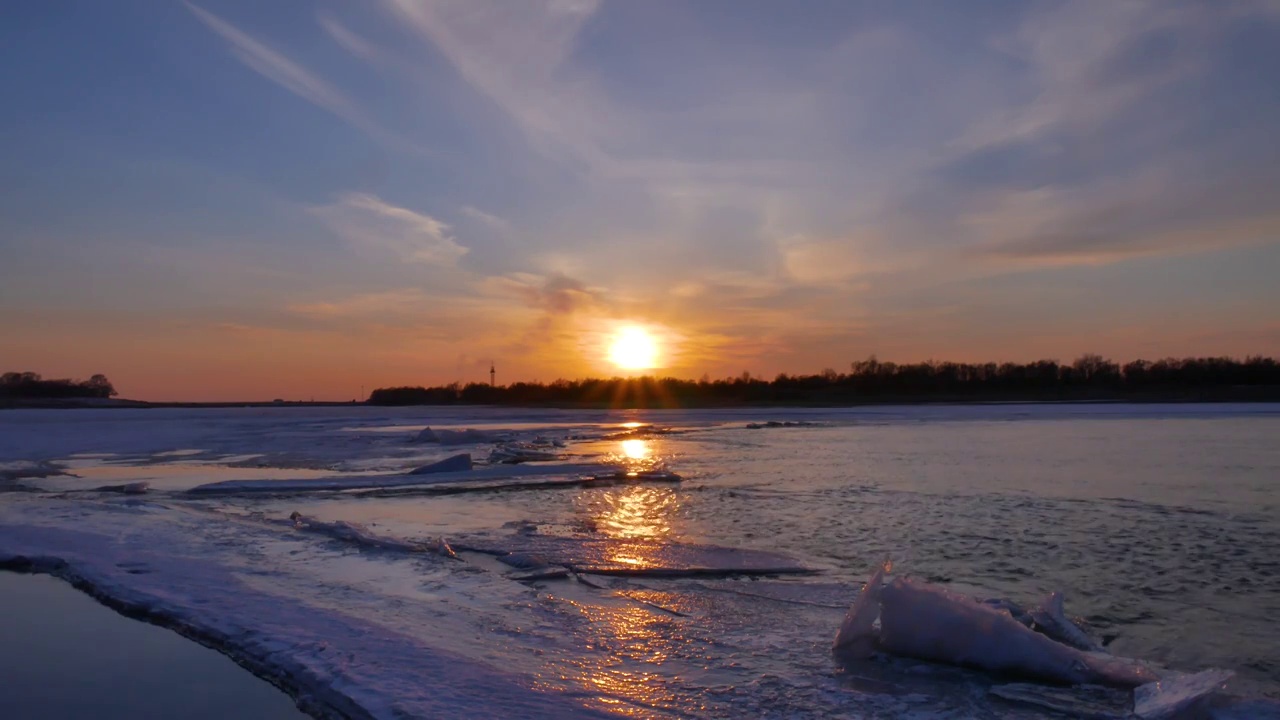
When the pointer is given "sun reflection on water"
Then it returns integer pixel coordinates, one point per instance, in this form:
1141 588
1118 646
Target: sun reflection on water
632 637
636 449
634 512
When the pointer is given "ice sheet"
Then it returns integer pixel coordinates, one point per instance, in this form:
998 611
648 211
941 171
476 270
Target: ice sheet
362 482
327 656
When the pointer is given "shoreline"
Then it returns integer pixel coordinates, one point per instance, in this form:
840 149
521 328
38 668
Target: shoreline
1271 396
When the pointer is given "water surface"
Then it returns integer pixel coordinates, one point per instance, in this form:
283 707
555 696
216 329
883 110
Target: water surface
1158 522
64 656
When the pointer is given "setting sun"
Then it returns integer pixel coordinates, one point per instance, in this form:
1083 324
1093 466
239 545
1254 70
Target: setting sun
633 348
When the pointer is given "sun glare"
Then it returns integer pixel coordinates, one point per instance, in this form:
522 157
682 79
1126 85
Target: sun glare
635 449
633 348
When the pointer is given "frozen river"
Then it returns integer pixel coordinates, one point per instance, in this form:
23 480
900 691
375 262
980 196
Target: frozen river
646 597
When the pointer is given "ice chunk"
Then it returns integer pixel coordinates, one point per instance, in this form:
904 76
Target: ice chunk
453 463
468 436
360 535
856 637
514 453
1014 609
930 623
1051 619
1174 693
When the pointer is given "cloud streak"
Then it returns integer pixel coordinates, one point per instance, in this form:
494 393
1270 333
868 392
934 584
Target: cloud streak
513 55
493 222
290 75
378 228
278 68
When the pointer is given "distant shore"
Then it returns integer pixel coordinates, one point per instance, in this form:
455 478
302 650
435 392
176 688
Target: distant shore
1219 395
114 404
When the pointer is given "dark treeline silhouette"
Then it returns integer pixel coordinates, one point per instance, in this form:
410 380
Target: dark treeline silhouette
30 386
1090 377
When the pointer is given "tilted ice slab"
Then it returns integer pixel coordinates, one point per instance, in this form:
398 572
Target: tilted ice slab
590 555
335 664
631 557
365 482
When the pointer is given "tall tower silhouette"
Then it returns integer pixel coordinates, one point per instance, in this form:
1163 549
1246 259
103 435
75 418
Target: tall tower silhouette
493 375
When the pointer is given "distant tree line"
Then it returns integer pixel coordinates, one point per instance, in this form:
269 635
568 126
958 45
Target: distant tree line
1089 377
29 385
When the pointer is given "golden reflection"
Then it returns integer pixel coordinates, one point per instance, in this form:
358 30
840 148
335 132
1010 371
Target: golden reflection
631 694
635 511
631 634
633 425
636 449
635 454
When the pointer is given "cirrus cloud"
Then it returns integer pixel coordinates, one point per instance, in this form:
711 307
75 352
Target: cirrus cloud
369 223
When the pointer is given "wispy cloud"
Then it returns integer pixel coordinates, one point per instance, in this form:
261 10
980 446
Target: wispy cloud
1099 247
1093 60
370 224
1096 147
278 68
513 54
347 39
493 221
554 294
290 75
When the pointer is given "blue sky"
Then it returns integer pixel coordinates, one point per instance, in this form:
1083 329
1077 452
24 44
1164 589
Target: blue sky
239 199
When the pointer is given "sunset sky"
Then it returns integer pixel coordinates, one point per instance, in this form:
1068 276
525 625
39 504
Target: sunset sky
240 199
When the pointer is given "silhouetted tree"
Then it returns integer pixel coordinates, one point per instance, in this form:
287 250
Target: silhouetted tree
30 385
1088 377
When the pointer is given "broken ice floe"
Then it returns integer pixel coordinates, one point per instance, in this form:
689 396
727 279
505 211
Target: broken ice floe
23 469
360 535
539 557
631 557
638 430
468 436
453 463
133 488
515 453
1051 619
501 477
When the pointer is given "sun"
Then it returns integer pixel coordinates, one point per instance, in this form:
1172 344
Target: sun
633 348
